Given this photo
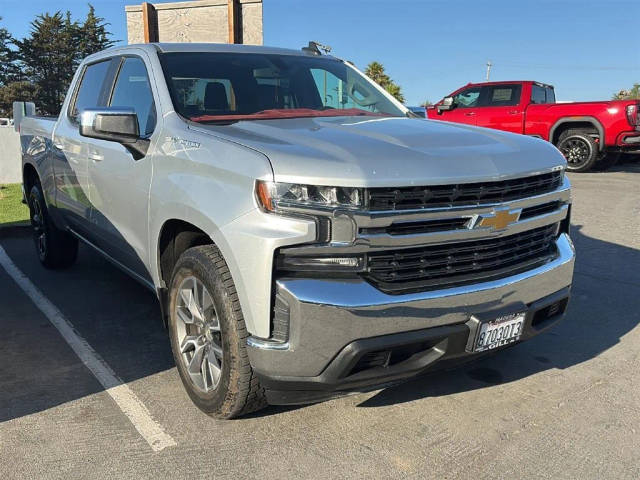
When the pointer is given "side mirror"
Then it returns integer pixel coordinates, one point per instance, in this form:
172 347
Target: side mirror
446 104
110 123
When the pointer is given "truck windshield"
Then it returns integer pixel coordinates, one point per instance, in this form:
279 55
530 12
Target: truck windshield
223 87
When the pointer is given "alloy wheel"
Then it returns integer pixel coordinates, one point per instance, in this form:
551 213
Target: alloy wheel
39 230
576 150
198 334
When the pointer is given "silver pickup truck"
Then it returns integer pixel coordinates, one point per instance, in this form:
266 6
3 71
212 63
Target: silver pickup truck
305 236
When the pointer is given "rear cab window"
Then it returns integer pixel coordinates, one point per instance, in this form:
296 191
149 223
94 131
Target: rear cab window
551 95
542 94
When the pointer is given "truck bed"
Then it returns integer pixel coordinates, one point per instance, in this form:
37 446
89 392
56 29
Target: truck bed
39 126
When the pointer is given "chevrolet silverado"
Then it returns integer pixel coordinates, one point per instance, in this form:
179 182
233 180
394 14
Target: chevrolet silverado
305 235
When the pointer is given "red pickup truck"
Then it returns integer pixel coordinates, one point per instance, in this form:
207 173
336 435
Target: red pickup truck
583 131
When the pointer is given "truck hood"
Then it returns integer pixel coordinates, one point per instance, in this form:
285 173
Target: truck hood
378 152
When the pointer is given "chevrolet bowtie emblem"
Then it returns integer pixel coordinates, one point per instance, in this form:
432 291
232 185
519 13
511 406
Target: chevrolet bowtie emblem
501 219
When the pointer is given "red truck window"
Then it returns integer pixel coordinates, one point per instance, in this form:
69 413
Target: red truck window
538 94
468 97
502 95
541 94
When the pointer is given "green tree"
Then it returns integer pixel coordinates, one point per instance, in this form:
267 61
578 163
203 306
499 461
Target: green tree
426 103
8 56
375 71
92 35
632 94
48 55
20 91
52 51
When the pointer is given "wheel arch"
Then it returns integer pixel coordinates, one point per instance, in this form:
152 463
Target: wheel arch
174 235
564 124
174 238
29 178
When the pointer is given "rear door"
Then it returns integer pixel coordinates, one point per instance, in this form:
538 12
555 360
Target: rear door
119 183
501 107
70 163
465 110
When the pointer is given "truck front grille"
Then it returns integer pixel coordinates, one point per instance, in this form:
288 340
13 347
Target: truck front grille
437 266
415 198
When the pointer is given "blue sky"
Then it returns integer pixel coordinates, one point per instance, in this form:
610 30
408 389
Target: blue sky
588 49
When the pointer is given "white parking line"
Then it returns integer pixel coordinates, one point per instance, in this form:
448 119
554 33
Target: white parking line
128 402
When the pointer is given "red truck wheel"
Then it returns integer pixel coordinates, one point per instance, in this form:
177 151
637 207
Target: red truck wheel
579 148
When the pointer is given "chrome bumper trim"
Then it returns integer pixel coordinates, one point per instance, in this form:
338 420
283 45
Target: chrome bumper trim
327 314
265 344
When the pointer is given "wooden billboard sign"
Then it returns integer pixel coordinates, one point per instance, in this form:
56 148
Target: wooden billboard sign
216 21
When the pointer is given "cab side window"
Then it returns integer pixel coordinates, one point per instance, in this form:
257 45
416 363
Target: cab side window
538 94
502 96
542 94
92 90
467 98
551 95
133 90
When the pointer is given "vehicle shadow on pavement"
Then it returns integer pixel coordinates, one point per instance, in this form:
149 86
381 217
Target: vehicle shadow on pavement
121 320
118 317
605 305
629 163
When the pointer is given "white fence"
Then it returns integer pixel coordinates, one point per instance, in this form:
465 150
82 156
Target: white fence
10 161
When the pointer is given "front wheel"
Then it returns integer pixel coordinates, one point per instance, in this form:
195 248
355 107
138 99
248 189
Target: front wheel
209 336
579 148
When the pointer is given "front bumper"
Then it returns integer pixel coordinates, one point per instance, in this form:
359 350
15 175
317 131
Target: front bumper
628 140
335 324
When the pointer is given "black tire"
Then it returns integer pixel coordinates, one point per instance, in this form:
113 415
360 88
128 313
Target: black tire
238 390
579 148
56 248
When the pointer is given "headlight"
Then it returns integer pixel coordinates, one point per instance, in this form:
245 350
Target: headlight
274 195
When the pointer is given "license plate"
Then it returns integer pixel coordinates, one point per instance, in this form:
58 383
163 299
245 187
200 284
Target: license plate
501 331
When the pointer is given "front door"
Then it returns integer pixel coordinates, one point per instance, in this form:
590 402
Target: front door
119 183
501 108
465 107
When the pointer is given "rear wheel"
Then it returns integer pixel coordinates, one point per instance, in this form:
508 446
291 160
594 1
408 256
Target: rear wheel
579 148
209 336
56 248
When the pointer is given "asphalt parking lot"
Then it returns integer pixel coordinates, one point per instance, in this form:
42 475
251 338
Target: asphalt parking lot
564 405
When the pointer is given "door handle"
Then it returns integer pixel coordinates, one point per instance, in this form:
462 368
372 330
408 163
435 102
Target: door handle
514 112
95 156
469 114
